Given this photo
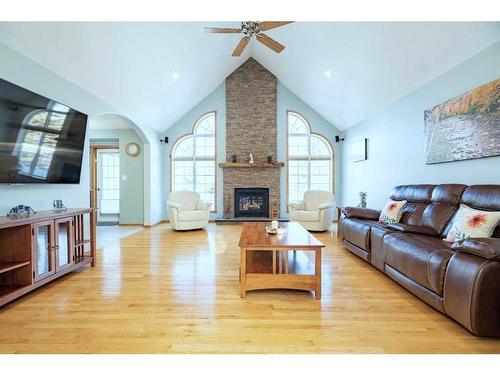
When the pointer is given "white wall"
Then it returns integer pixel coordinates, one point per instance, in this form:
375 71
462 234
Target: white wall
396 143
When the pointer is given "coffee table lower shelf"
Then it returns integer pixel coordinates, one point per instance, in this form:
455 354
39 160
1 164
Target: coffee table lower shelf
260 270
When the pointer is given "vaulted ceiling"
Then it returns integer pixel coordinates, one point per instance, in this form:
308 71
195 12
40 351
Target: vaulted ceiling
155 72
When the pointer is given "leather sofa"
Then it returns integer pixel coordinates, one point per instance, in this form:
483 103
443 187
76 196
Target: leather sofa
461 280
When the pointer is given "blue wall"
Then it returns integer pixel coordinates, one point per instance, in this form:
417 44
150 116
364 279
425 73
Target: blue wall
216 101
287 100
131 189
32 76
396 144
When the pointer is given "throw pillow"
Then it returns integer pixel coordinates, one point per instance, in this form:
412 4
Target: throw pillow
392 212
472 223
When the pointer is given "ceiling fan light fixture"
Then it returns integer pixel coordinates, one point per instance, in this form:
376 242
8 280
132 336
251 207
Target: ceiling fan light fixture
328 73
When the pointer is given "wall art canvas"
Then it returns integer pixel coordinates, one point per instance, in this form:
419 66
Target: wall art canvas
359 150
465 127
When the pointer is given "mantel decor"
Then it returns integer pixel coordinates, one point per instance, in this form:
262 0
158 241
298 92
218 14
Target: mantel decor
252 165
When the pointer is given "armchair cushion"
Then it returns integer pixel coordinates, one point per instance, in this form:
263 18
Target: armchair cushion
301 215
488 248
296 206
192 215
361 213
203 205
186 199
315 198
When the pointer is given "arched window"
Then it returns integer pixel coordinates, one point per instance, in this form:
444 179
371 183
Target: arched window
38 139
310 159
193 160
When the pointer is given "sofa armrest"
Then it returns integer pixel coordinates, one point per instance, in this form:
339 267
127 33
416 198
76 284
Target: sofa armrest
361 213
487 248
172 204
296 206
406 228
201 205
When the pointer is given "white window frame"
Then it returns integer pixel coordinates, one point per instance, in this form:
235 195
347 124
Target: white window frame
310 134
195 158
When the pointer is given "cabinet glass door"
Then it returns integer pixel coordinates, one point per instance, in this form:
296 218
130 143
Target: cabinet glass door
64 243
43 234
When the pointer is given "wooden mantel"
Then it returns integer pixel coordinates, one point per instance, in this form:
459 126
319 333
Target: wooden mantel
252 165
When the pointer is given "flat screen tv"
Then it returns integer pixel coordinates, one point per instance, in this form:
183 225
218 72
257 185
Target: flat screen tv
41 140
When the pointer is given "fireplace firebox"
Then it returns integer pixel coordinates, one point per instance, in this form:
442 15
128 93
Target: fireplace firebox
251 202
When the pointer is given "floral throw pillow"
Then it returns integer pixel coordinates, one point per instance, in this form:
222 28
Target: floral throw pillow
392 212
471 223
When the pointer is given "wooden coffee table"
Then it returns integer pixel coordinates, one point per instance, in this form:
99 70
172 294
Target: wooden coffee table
264 260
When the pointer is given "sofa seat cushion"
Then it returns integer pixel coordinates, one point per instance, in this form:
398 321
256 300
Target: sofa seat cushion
300 215
192 215
357 231
421 258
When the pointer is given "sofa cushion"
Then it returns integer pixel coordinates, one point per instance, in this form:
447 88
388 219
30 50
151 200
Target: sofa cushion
483 197
445 202
392 212
192 215
300 215
472 223
421 258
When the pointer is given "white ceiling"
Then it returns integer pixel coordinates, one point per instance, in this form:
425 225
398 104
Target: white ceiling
131 65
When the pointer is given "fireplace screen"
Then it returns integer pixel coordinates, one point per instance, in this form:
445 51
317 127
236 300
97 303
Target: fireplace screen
251 202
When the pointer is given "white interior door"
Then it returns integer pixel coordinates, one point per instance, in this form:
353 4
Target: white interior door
108 185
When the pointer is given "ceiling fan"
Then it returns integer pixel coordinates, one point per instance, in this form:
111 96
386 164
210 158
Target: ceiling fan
252 29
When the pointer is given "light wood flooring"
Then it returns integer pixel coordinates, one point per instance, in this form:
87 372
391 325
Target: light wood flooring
159 291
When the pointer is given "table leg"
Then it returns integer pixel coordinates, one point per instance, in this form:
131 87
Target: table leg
317 266
92 237
243 272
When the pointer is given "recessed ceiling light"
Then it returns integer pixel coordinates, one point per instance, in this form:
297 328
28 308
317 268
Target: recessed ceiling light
328 73
175 76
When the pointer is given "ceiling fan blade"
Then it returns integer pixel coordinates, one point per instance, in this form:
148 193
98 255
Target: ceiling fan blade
224 30
241 46
268 25
270 42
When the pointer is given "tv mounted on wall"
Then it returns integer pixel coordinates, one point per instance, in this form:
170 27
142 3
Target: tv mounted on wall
41 140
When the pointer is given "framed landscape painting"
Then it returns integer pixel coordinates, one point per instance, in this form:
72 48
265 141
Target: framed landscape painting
465 127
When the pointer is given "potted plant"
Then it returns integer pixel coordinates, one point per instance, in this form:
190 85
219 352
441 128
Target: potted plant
362 199
234 158
269 159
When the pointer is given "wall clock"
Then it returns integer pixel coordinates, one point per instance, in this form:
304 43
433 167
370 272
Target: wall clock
132 149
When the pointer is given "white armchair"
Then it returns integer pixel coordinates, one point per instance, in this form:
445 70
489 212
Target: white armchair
186 211
315 212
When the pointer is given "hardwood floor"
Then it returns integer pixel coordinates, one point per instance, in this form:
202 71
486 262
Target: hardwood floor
158 291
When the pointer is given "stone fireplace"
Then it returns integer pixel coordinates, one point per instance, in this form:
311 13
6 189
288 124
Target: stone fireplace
251 202
251 127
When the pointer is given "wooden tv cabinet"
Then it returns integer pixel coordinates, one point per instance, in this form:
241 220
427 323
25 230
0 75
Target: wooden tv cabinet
39 248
